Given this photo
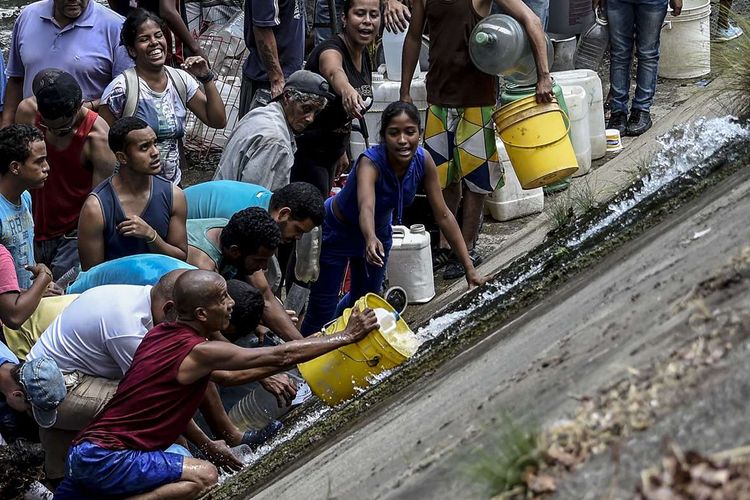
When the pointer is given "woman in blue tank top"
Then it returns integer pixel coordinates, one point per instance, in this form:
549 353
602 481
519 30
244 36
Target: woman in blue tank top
357 225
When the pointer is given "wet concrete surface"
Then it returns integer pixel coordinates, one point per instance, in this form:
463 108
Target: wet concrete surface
620 314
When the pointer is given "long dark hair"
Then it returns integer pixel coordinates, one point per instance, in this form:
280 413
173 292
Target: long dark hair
393 110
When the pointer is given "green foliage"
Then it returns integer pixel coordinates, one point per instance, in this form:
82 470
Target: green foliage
499 466
560 211
732 60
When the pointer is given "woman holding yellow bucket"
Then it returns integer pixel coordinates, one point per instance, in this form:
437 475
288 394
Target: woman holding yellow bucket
357 225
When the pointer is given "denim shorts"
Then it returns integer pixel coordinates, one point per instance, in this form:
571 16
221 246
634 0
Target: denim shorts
121 472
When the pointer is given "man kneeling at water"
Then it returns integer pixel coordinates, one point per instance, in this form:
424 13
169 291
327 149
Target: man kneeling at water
122 451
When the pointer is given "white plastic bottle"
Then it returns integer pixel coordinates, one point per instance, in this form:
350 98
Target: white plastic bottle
393 48
386 319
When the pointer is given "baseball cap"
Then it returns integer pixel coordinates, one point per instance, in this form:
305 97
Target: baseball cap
57 93
309 83
45 389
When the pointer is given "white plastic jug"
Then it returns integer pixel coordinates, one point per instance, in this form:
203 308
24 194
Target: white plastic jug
410 263
578 113
393 48
591 82
510 201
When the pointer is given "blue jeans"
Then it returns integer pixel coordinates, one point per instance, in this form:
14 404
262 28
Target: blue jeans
634 22
541 9
342 245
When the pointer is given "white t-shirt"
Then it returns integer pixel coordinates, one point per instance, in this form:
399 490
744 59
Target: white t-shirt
98 333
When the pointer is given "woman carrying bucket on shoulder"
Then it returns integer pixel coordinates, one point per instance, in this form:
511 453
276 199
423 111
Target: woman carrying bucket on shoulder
357 225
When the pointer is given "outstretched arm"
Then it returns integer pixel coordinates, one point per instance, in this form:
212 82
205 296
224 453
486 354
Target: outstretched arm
211 355
274 315
447 222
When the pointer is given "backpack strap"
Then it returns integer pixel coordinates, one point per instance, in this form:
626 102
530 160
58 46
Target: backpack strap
179 83
132 89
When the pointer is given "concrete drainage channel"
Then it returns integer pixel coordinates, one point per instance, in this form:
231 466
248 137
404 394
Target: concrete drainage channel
685 174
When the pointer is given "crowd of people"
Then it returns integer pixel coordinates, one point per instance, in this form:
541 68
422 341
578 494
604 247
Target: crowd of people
129 304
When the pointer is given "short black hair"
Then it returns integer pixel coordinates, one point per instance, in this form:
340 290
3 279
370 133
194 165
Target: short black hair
304 200
248 306
118 134
57 93
133 22
250 229
15 144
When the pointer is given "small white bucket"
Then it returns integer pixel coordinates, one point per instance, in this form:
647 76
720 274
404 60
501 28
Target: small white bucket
685 50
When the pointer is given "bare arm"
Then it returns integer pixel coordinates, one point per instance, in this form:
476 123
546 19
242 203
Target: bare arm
228 378
447 222
412 45
199 258
212 355
13 97
17 307
216 416
208 107
367 176
105 113
172 17
274 315
534 30
176 243
332 69
269 54
98 156
91 234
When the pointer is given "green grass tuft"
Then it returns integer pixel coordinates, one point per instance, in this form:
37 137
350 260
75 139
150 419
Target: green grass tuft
499 466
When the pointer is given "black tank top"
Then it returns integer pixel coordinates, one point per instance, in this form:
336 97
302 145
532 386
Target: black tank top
326 137
156 214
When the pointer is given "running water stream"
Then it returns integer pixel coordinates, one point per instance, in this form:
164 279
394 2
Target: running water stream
686 152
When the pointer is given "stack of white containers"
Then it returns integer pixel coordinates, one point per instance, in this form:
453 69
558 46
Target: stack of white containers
410 263
591 83
510 201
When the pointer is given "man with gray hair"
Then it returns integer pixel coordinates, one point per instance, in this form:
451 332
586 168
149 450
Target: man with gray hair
261 148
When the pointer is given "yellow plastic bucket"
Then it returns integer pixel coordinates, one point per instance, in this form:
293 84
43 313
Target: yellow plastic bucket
536 140
334 376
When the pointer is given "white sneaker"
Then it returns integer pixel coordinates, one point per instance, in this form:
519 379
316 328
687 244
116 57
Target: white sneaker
729 33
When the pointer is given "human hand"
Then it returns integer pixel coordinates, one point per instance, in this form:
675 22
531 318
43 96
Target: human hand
544 89
277 87
474 279
53 290
342 165
292 316
406 97
282 387
397 16
219 454
374 252
360 324
136 227
676 7
600 4
196 66
353 103
40 271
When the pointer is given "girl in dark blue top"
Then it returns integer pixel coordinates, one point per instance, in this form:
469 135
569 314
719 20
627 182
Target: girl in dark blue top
357 226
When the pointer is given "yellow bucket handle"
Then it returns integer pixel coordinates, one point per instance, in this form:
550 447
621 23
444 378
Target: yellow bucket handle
371 362
567 131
